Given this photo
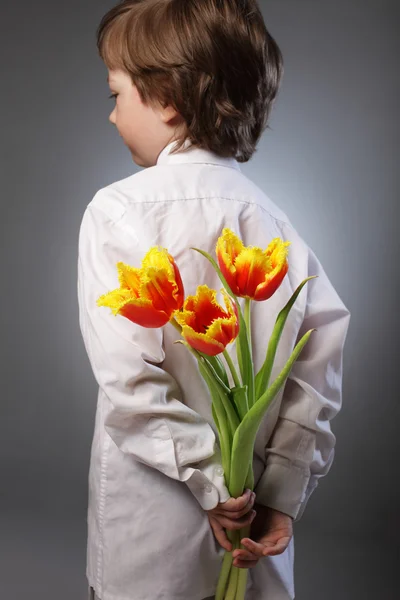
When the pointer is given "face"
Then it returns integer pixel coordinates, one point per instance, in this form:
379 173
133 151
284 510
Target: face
144 130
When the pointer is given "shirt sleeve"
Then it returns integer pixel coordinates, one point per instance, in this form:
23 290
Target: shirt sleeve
301 448
146 418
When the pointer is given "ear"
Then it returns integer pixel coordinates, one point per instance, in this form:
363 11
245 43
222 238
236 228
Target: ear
169 115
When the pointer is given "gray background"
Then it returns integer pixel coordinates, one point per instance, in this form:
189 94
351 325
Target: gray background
330 162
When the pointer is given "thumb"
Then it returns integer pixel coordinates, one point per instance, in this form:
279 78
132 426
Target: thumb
274 547
220 533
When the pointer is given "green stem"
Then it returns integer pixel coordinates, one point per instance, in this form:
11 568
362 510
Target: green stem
225 436
232 369
247 318
232 583
226 566
175 323
251 382
244 533
232 580
241 581
233 419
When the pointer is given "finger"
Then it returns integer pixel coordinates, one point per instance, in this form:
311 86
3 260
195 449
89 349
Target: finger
232 515
277 549
244 554
237 504
264 547
220 534
236 514
238 523
244 564
256 548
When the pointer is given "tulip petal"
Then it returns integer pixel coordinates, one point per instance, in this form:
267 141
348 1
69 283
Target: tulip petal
158 258
266 289
159 265
140 311
251 266
229 247
115 299
129 277
144 314
206 326
150 295
158 289
179 292
277 251
204 308
225 329
251 271
202 342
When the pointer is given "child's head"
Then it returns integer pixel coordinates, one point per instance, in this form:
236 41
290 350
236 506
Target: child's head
206 70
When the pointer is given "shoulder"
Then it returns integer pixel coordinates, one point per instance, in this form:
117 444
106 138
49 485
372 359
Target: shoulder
194 193
147 185
184 182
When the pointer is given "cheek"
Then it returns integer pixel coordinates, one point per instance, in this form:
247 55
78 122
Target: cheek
125 108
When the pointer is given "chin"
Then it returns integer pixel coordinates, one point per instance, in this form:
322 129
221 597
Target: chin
138 161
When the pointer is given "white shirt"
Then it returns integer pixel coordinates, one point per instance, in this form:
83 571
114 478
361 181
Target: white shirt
155 461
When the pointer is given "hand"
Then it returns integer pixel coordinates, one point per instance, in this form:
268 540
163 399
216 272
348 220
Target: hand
235 513
271 532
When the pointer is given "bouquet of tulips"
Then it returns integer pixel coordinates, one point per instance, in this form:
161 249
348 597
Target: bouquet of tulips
153 295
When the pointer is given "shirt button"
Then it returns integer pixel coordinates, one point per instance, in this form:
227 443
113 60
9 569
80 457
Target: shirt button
208 488
219 471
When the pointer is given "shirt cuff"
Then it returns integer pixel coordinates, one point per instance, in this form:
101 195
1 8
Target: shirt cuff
208 485
284 488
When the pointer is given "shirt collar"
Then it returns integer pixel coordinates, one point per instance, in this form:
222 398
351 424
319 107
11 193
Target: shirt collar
194 155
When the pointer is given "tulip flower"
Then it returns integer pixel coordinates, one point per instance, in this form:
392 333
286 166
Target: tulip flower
206 326
148 296
250 271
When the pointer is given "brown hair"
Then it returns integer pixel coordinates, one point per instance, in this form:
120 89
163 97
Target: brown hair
212 60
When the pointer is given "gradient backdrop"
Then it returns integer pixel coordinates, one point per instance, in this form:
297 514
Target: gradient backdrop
330 162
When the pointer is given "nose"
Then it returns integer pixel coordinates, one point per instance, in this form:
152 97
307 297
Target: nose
111 118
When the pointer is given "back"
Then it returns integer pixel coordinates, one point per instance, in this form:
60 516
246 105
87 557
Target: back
185 201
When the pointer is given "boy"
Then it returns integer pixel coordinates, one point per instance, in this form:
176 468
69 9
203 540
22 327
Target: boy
194 83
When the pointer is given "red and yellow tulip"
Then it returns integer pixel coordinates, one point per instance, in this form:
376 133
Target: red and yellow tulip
206 326
250 271
150 295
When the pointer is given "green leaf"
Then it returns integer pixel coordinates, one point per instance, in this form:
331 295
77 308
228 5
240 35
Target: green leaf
218 367
224 433
245 435
262 377
218 270
215 417
214 373
225 396
239 395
